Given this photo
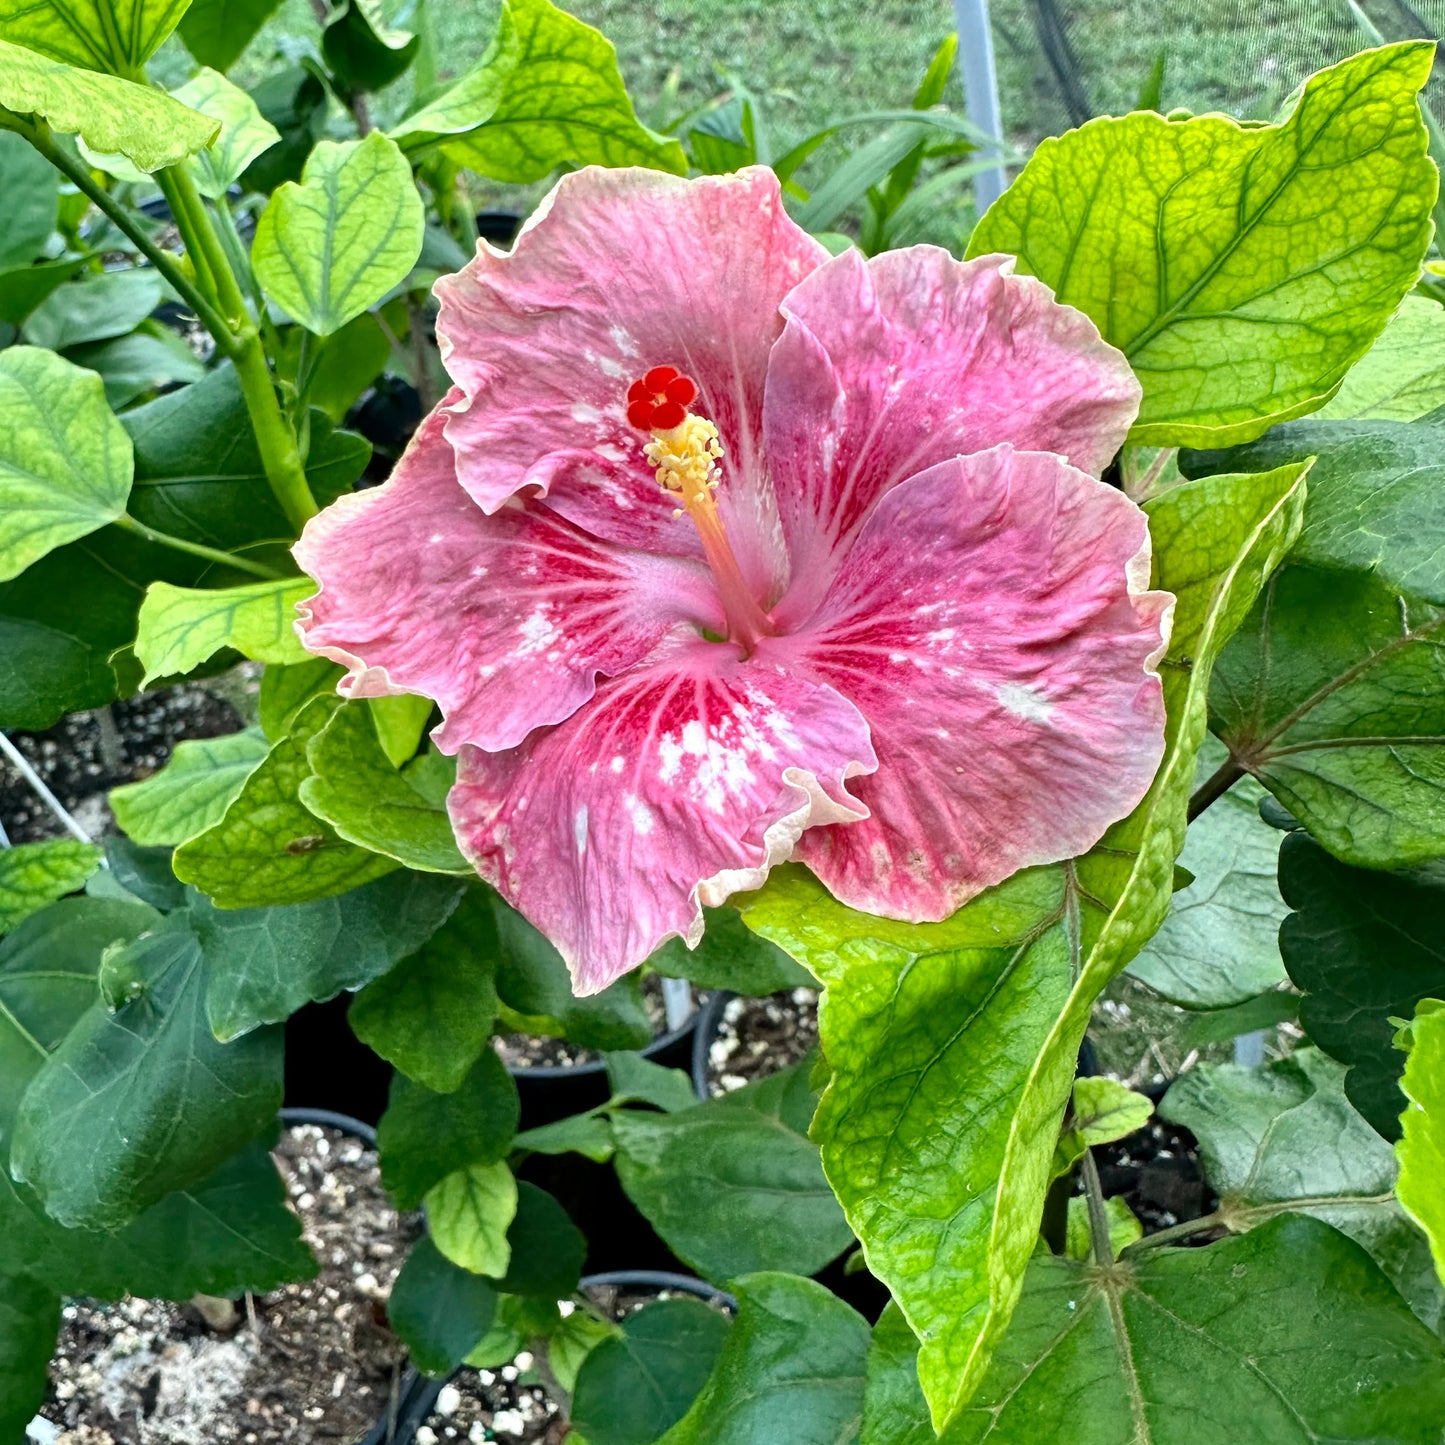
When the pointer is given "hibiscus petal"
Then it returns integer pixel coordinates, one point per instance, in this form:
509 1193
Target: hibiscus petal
506 621
891 365
618 272
991 624
677 786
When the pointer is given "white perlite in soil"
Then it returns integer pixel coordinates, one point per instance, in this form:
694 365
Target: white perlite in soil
761 1036
309 1364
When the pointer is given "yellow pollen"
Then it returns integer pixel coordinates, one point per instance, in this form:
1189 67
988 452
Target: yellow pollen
686 459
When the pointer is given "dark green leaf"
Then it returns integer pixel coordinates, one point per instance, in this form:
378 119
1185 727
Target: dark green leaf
23 288
1199 249
30 185
423 1137
1219 1026
1364 947
1284 1138
547 1248
264 963
432 1014
145 873
1331 694
100 305
230 1233
587 1134
356 788
634 1386
268 848
1288 1336
217 31
1402 376
440 1311
638 1080
365 53
130 366
731 956
141 1101
730 1187
894 1412
33 875
1374 495
29 1323
791 1369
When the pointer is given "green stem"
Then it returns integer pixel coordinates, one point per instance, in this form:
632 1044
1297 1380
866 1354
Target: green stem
280 454
38 134
1178 1231
197 549
1103 1246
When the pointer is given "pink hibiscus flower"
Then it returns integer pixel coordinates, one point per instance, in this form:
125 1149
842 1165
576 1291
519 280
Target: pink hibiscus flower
879 616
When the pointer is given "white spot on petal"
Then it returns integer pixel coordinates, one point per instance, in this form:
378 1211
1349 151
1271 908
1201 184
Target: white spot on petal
579 828
1024 701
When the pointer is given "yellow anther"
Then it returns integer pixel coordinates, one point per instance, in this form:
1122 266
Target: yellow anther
686 459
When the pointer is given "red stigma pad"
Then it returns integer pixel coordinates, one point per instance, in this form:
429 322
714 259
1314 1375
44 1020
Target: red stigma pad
659 400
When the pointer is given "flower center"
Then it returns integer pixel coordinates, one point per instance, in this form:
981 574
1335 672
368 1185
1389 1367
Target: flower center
685 450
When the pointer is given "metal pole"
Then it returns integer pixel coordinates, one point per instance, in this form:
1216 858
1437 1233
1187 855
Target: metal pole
980 92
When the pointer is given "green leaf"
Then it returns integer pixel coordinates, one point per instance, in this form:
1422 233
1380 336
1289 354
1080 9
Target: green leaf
23 288
285 690
470 101
1242 269
245 132
734 1185
143 873
1219 945
33 875
441 1312
533 980
98 306
181 627
1330 695
636 1385
142 1101
29 1323
217 31
470 1212
1374 502
65 461
1402 376
1124 1228
731 956
111 116
401 719
1364 947
953 1045
130 366
1421 1150
264 963
1284 1138
587 1134
791 1368
432 1014
108 35
564 102
268 849
547 1248
1104 1110
1289 1336
893 1408
635 1079
424 1137
30 185
231 1233
363 51
1219 1026
356 788
191 792
334 245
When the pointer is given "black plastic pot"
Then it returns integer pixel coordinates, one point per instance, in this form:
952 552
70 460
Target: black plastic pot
498 227
328 1067
552 1092
709 1020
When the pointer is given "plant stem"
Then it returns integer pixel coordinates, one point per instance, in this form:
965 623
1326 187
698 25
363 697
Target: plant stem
1215 787
280 454
38 135
1178 1231
1098 1215
197 549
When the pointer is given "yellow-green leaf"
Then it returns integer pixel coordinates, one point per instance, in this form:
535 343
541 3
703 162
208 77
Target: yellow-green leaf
117 36
1421 1152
